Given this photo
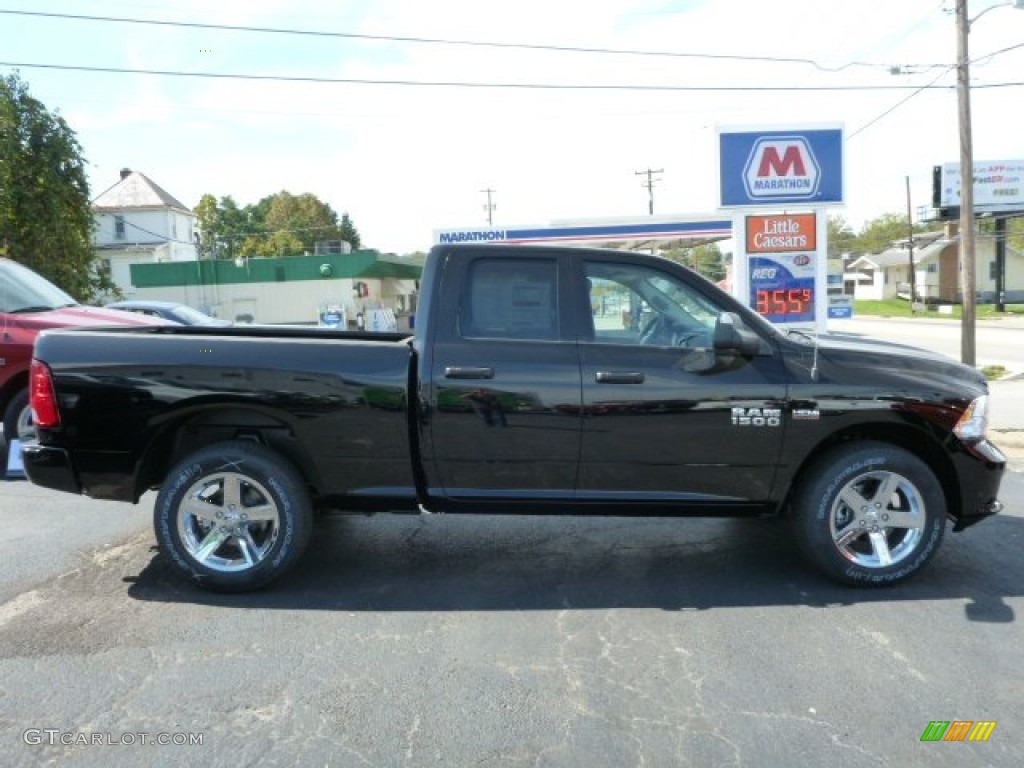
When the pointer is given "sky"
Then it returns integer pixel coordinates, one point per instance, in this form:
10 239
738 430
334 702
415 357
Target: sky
406 159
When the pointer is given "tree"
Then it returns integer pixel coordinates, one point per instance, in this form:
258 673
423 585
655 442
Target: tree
208 217
704 259
45 218
1015 233
304 216
841 239
879 233
281 224
282 243
223 226
349 232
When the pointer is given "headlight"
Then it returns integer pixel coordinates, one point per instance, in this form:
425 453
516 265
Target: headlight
974 423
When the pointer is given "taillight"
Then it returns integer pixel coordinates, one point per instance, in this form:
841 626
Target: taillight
42 397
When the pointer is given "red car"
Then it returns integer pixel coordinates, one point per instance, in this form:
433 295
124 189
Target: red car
29 304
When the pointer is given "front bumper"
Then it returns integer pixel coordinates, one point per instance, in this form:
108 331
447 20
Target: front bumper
980 469
50 467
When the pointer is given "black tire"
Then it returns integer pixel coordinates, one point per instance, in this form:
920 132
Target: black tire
869 514
233 516
18 418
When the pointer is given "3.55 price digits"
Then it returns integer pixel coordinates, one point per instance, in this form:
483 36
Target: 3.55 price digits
795 301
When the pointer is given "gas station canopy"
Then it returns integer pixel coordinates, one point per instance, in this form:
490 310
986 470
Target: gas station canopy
630 233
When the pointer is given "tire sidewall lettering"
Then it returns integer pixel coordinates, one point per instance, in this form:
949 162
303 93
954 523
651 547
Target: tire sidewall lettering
816 497
827 498
286 490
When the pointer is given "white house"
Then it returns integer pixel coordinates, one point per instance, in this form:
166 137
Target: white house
137 222
886 275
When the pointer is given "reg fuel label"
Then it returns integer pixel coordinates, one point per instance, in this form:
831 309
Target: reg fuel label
782 266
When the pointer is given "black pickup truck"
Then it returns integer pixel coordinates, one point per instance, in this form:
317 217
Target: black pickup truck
538 380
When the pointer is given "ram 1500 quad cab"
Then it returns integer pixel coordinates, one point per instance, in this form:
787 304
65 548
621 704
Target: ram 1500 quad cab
538 380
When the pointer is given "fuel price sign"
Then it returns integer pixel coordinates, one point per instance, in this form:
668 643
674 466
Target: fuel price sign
782 256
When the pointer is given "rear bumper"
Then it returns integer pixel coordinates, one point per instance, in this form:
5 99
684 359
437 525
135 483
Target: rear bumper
50 467
980 468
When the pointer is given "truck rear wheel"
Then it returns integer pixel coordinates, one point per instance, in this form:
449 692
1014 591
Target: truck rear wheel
234 516
869 514
18 418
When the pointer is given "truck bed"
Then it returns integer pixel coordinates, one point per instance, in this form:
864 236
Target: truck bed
333 401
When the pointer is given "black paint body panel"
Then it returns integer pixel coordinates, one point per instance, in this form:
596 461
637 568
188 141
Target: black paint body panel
454 420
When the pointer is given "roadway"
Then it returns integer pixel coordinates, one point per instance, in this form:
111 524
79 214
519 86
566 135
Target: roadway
997 342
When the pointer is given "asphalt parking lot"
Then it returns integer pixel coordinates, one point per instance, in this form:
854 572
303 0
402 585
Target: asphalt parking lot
506 641
501 641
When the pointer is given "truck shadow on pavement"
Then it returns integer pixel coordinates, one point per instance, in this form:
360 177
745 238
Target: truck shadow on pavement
492 563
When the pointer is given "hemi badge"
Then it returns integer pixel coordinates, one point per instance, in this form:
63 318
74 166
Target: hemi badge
806 414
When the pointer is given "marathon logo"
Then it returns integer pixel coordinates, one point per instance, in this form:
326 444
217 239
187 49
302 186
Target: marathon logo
781 167
473 236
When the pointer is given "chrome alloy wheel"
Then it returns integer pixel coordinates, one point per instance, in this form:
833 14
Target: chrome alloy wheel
26 424
228 522
877 520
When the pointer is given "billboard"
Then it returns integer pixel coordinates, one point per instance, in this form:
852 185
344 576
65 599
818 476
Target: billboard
781 166
998 186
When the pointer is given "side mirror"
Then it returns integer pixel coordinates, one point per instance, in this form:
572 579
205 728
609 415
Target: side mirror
731 335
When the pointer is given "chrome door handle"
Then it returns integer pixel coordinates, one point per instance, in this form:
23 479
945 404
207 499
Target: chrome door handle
468 372
619 377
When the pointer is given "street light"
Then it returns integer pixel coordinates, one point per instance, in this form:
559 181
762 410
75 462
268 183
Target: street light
967 254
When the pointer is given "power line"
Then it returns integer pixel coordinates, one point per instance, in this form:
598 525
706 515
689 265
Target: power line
898 104
481 84
234 235
948 68
157 234
454 42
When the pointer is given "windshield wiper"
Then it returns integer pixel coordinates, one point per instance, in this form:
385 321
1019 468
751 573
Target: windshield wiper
23 310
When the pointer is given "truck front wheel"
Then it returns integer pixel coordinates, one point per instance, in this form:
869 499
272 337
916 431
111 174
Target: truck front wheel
869 513
234 516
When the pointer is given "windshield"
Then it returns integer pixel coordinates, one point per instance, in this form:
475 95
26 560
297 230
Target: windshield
191 316
22 290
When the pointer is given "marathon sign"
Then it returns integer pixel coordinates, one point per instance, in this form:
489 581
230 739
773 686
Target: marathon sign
781 167
473 236
614 231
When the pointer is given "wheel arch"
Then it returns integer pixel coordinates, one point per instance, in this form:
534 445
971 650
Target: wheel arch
12 387
191 431
914 440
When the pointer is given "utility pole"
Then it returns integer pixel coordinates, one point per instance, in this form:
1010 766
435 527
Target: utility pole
651 181
910 247
1001 264
490 206
967 255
